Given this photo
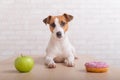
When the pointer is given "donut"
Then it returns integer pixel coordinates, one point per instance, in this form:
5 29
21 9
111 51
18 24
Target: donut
97 67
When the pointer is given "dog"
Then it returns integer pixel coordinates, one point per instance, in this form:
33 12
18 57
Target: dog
59 48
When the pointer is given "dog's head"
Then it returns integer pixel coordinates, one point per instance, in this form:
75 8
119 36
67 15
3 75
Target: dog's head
58 24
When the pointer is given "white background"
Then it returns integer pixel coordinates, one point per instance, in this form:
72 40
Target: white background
95 29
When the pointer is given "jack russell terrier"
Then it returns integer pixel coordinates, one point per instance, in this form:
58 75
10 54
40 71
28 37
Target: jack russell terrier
59 48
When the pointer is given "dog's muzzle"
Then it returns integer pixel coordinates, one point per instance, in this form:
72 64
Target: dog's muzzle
59 34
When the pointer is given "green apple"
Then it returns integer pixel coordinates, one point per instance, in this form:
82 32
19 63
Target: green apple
24 64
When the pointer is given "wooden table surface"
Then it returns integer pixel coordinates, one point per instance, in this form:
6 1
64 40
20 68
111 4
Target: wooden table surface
61 72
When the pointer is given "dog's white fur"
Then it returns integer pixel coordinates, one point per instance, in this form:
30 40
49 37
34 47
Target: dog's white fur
59 49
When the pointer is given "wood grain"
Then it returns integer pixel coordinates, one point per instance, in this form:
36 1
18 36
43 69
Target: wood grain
61 72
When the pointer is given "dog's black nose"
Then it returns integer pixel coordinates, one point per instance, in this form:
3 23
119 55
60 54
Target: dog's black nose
59 34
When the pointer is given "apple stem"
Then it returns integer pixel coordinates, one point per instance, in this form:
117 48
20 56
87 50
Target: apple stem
22 55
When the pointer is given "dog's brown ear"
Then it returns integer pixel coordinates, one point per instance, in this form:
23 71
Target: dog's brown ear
47 20
68 17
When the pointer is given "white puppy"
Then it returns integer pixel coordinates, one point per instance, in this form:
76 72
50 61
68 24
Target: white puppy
59 48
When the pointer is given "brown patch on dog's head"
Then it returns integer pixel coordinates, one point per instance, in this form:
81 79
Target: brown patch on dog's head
47 20
63 22
64 19
68 17
50 20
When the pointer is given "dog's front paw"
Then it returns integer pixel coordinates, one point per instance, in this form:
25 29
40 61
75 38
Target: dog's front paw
51 65
69 63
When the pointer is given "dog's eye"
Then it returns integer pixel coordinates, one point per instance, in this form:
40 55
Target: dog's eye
53 25
62 23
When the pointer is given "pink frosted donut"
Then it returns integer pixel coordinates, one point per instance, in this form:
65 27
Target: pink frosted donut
96 66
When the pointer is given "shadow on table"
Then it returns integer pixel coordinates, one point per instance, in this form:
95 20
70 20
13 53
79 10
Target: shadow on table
10 71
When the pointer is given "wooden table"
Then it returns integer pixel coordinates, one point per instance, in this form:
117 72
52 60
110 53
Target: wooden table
61 72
